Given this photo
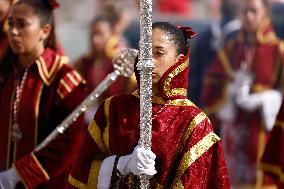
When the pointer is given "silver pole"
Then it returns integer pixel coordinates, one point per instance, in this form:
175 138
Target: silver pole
145 66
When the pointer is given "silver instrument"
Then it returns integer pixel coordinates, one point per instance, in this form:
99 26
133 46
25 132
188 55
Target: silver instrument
123 64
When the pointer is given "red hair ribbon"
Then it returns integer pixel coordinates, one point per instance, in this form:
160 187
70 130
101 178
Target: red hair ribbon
187 31
54 4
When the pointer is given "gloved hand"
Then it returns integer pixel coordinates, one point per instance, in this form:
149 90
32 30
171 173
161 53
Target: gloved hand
9 179
268 101
141 161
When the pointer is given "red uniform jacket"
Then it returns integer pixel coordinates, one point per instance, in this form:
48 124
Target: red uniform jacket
189 154
51 92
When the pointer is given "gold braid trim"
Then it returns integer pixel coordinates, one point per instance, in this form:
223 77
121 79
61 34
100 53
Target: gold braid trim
106 130
95 133
40 166
193 154
176 91
274 169
76 183
94 174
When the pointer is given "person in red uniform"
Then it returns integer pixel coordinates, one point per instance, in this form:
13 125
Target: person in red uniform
97 64
184 145
242 93
38 89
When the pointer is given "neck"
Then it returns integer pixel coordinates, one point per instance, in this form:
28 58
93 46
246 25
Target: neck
27 59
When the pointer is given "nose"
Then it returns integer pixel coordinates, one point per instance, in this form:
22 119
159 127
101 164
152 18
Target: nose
13 30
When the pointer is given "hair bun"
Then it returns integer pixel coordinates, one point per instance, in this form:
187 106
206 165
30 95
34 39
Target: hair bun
53 3
187 31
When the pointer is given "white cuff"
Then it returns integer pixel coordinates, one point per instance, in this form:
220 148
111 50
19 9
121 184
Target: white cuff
105 172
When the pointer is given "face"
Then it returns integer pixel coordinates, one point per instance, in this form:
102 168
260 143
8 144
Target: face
4 8
25 34
100 33
253 15
164 55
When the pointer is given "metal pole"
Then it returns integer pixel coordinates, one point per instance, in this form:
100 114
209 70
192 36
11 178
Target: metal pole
145 66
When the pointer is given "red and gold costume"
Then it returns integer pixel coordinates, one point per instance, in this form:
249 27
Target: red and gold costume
272 162
52 90
189 154
94 70
245 137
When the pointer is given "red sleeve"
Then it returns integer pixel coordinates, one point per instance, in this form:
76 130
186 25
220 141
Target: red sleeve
57 156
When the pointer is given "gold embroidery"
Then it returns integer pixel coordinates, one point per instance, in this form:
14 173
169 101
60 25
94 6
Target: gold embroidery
46 76
40 166
181 102
106 131
279 124
194 153
167 87
225 63
93 175
65 85
37 113
179 185
274 169
72 79
76 183
95 133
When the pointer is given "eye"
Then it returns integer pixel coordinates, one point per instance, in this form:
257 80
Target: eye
159 53
21 24
10 23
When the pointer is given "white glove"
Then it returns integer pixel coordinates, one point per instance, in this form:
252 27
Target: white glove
9 179
141 161
271 103
268 101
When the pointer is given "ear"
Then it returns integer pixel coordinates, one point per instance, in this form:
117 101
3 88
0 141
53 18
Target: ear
179 57
45 31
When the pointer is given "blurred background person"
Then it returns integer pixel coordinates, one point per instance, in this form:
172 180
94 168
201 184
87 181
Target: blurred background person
37 91
242 91
5 6
225 24
97 64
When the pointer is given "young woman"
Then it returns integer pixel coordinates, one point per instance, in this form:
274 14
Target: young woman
37 91
186 152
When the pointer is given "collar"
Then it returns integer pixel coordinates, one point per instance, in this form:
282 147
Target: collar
49 63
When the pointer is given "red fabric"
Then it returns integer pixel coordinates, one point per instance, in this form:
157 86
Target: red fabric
95 72
242 156
177 128
182 7
40 90
124 134
272 161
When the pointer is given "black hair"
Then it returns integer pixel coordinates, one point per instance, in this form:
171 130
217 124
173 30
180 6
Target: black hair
176 36
45 12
